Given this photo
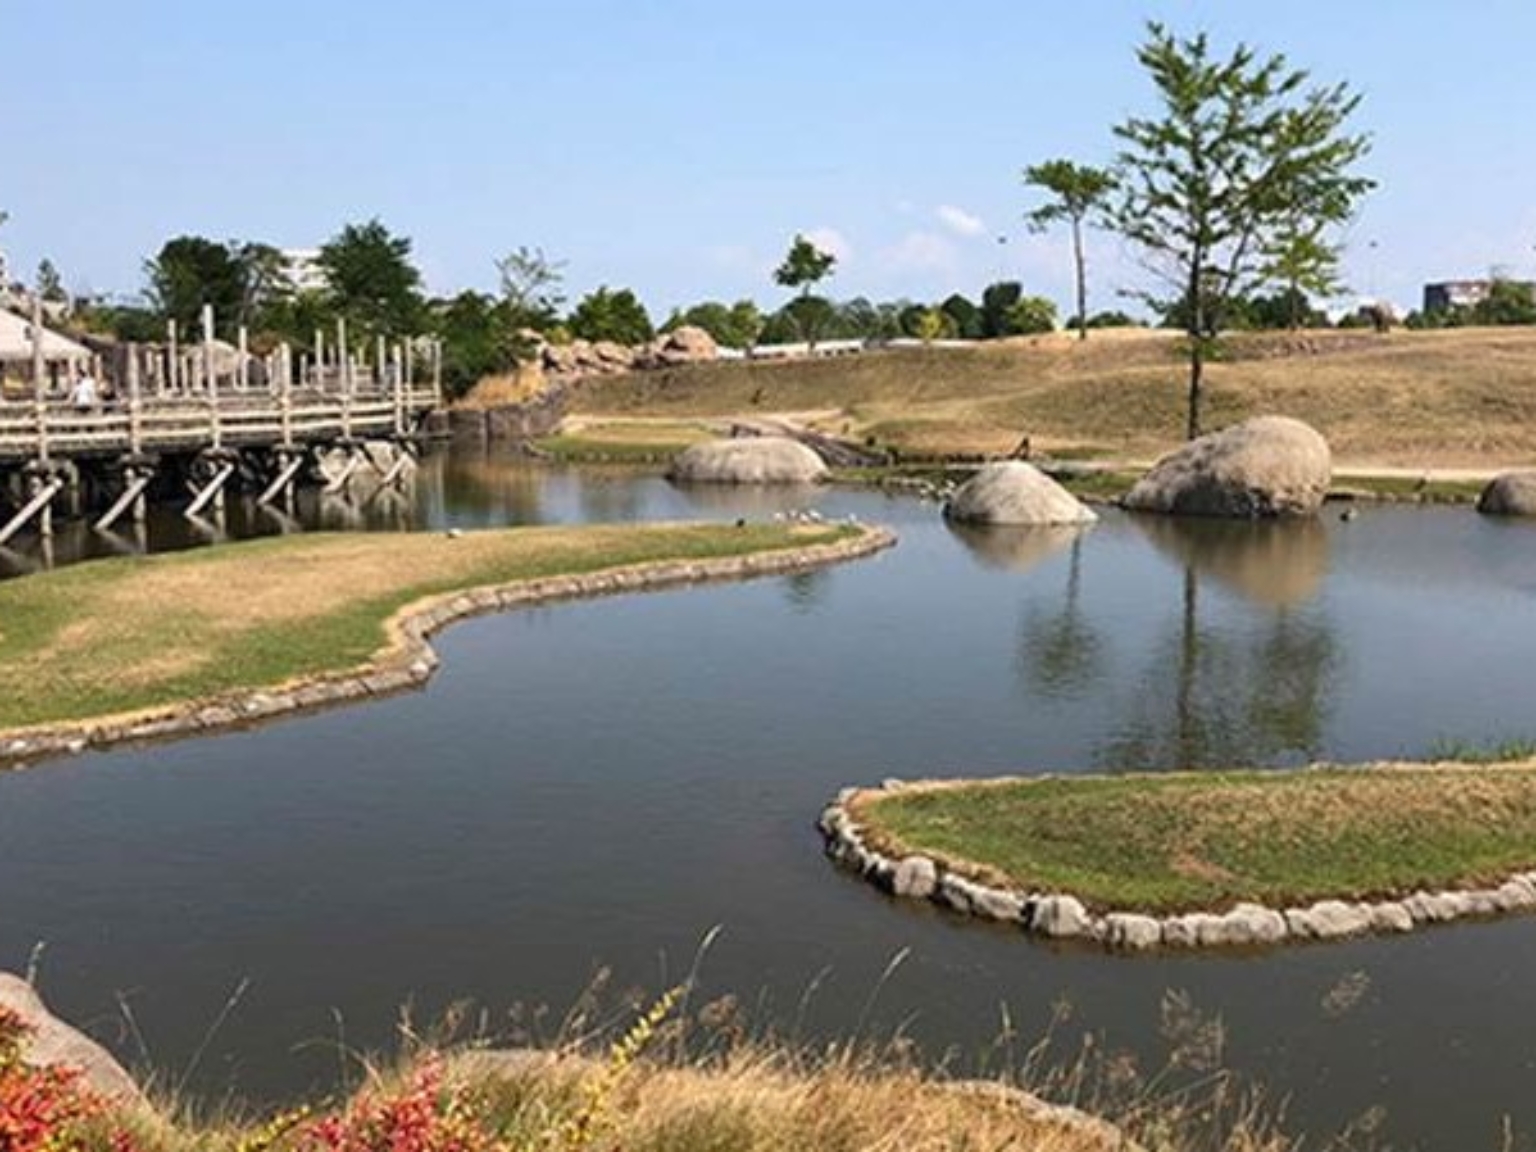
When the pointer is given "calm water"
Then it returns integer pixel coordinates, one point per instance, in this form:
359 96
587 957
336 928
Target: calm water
601 783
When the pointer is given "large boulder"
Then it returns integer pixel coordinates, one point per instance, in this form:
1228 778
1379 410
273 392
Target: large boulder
52 1044
748 460
1267 466
1014 492
1509 494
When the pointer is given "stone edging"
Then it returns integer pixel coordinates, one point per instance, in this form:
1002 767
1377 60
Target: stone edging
407 660
1062 916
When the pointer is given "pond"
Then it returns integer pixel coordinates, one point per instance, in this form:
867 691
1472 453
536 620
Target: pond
599 784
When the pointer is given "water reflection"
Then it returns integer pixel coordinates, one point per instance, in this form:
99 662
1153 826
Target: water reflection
1225 689
749 500
1269 562
1014 549
1061 654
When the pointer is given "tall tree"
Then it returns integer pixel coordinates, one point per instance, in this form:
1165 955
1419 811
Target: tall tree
371 280
190 271
1077 191
264 280
49 284
530 285
1241 145
805 266
611 315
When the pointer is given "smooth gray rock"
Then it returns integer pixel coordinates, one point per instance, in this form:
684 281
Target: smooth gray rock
748 460
1013 492
915 876
1256 924
1267 466
55 1044
1061 917
1509 494
1391 918
1329 920
1132 932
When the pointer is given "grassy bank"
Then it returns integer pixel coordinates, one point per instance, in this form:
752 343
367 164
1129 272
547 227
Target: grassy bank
1165 844
1407 399
122 635
729 1093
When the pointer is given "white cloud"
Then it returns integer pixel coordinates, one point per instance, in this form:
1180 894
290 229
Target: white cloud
832 241
959 221
925 252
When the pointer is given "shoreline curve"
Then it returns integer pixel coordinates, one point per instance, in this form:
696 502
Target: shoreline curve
407 660
1064 917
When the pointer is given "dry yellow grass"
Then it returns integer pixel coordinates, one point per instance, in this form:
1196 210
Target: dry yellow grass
525 383
1464 397
120 635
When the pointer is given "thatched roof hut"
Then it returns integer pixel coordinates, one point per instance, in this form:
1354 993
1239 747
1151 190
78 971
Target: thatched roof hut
16 343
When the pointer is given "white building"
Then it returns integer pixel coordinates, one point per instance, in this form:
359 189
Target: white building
303 268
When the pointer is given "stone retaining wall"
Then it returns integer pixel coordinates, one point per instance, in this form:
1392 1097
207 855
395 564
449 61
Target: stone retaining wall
1062 916
408 659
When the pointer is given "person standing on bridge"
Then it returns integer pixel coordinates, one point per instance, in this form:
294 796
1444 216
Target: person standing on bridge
83 396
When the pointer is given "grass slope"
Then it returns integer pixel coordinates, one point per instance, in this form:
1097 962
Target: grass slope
1204 841
120 635
1408 399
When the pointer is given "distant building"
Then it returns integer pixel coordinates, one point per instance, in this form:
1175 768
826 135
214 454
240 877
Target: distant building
1448 294
303 268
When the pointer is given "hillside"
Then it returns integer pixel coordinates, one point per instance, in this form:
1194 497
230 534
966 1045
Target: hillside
1456 398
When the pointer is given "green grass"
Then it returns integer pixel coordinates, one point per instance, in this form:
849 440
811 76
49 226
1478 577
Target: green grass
122 635
1505 751
580 449
1402 487
1198 841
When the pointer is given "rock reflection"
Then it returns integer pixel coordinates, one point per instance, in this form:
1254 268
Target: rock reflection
1222 692
1272 563
1014 549
754 501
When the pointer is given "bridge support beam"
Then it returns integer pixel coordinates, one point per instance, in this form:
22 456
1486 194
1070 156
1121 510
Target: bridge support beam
43 484
212 491
136 479
288 465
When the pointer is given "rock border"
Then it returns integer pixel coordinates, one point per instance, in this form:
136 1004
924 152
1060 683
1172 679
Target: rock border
1063 916
407 659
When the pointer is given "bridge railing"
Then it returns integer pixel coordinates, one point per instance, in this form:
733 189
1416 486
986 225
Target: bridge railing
29 430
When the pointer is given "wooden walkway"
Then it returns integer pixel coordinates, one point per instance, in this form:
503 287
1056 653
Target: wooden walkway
56 430
191 424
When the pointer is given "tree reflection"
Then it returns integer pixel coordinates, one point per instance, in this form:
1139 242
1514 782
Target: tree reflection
1061 654
1226 690
805 591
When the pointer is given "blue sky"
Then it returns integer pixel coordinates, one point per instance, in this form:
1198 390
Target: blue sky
676 147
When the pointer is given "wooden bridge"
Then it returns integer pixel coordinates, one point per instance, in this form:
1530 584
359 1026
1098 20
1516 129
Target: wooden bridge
261 421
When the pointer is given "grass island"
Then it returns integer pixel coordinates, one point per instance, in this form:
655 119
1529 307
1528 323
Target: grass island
145 646
1195 859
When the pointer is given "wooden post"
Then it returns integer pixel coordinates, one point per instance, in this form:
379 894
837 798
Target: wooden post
210 379
172 357
344 363
39 362
398 390
285 397
135 428
242 364
380 353
319 381
437 373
